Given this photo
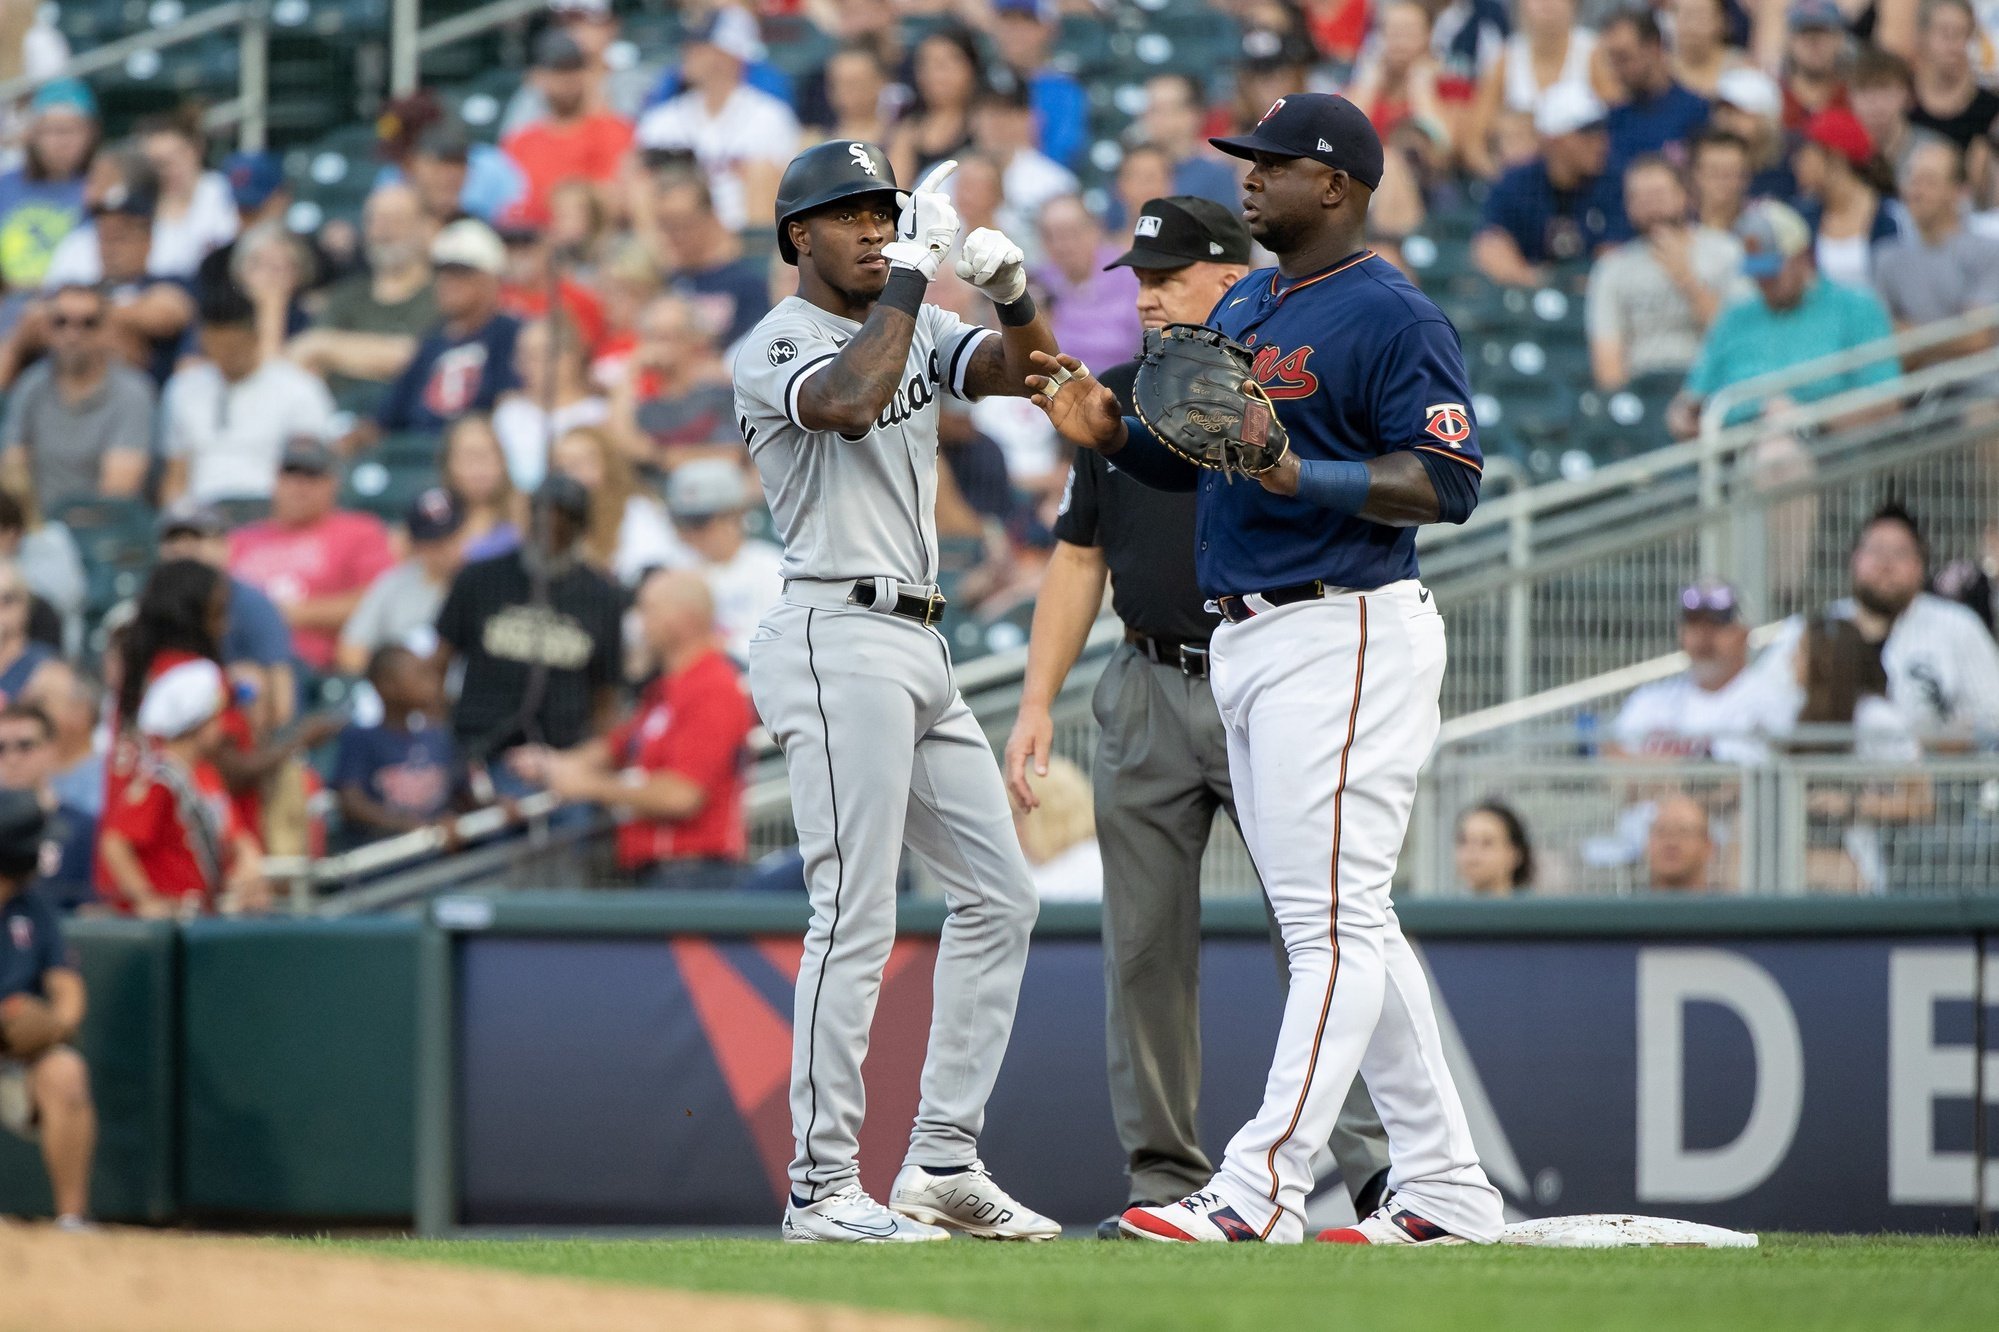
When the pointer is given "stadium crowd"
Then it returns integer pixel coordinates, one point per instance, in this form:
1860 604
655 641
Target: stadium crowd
244 466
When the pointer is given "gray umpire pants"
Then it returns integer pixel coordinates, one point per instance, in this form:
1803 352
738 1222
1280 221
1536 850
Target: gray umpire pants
880 750
1161 773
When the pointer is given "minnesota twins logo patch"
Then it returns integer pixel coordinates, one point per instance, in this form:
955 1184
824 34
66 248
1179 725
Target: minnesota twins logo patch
1275 107
784 349
1448 421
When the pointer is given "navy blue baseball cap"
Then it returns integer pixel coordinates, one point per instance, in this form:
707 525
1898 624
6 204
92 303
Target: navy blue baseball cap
253 178
1322 126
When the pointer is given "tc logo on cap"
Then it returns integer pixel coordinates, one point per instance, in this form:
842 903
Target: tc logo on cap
1275 107
859 152
1148 225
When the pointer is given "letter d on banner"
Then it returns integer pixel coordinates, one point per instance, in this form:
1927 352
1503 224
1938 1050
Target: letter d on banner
1668 980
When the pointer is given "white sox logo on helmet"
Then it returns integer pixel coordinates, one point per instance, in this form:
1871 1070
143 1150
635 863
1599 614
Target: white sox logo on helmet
859 152
1448 421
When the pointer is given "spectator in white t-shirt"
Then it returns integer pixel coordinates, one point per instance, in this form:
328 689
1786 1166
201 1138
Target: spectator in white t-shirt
1941 662
1721 706
1003 130
1651 299
742 137
196 213
708 498
229 417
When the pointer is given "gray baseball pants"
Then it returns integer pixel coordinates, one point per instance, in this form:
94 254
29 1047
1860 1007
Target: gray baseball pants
1161 773
880 751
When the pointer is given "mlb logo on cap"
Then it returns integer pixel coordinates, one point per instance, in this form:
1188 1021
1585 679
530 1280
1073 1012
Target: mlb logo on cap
1147 225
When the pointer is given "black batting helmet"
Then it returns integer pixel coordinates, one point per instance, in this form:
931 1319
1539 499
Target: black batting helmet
837 169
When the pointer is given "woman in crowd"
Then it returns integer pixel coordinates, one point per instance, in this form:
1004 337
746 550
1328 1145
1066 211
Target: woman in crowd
1949 100
1396 82
50 564
195 214
629 530
20 656
555 397
473 467
938 125
1547 48
579 228
1493 856
1837 175
1699 44
857 93
1846 686
275 269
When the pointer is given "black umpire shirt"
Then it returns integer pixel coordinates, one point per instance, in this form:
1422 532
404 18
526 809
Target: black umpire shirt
1147 537
490 621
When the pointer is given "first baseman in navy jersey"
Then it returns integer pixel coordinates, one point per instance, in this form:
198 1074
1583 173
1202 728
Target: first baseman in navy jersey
1326 672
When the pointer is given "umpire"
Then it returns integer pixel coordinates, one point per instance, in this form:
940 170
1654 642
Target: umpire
1162 768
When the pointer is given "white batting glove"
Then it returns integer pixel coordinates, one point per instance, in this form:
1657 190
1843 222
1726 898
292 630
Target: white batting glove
995 265
928 226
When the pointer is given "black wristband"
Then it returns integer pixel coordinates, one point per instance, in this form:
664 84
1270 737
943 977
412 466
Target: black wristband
1018 314
905 290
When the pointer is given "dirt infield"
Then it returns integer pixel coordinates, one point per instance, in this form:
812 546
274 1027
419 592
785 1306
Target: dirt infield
137 1281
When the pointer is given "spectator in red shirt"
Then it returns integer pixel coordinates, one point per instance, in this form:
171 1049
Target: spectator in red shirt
573 141
674 772
313 560
1813 80
171 843
524 285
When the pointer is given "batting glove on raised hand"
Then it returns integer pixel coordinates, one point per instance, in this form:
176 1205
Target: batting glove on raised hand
994 265
928 226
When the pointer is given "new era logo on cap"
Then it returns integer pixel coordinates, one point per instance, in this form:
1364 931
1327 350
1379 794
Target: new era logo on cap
1325 147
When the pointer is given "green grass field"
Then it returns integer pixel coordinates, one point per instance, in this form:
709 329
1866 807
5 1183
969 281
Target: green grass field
1804 1282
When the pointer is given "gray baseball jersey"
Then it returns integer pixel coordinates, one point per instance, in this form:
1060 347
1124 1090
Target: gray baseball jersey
880 751
849 508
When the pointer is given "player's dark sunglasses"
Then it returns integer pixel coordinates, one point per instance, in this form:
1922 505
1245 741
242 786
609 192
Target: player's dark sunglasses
83 323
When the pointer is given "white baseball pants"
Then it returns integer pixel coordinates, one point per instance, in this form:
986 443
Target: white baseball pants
1331 708
881 752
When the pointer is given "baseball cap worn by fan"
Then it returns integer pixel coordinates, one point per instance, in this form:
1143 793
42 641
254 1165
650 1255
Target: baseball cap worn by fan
1568 108
1749 90
1182 230
557 50
1709 597
253 178
705 487
1807 15
184 698
565 495
469 243
122 200
306 455
732 32
1771 233
189 517
433 515
1838 130
1322 126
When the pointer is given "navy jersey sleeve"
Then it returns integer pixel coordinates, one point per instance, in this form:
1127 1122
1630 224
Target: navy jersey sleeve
1076 520
1149 462
1421 396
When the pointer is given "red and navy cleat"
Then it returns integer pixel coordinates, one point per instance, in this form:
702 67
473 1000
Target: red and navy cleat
1199 1218
1391 1225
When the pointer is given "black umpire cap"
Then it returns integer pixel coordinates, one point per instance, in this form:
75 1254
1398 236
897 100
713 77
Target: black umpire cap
1322 126
835 170
1182 230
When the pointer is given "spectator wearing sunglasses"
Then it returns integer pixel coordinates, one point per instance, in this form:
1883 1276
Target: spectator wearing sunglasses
28 763
79 422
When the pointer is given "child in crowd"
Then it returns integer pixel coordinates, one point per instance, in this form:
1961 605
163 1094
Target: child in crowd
171 842
405 773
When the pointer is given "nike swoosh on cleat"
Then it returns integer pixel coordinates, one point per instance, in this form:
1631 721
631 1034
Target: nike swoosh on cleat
864 1230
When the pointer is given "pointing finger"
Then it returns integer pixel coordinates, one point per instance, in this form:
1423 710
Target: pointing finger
937 175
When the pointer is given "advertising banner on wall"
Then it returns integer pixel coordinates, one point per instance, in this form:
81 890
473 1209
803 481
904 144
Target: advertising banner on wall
1766 1083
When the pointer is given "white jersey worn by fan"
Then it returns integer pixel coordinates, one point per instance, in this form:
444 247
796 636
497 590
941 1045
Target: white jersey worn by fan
1676 718
879 749
1942 665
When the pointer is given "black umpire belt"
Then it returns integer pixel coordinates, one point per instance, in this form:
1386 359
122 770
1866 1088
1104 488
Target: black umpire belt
1237 609
1190 658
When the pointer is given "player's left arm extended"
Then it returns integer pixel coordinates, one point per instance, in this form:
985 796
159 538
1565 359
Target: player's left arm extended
1000 366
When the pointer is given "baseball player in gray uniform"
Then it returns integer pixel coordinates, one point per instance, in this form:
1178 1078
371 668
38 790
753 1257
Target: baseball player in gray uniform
837 394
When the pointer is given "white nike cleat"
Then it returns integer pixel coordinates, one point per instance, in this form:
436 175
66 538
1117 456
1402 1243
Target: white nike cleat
968 1201
1389 1224
1198 1218
852 1217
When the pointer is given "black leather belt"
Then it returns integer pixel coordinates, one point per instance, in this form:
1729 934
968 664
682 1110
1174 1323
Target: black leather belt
1235 610
1191 658
925 611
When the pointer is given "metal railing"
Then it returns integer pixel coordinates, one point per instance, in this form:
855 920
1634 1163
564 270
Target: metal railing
410 40
248 111
1789 826
1565 581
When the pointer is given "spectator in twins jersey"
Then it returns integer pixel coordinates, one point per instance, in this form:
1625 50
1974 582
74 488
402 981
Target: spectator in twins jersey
1720 706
